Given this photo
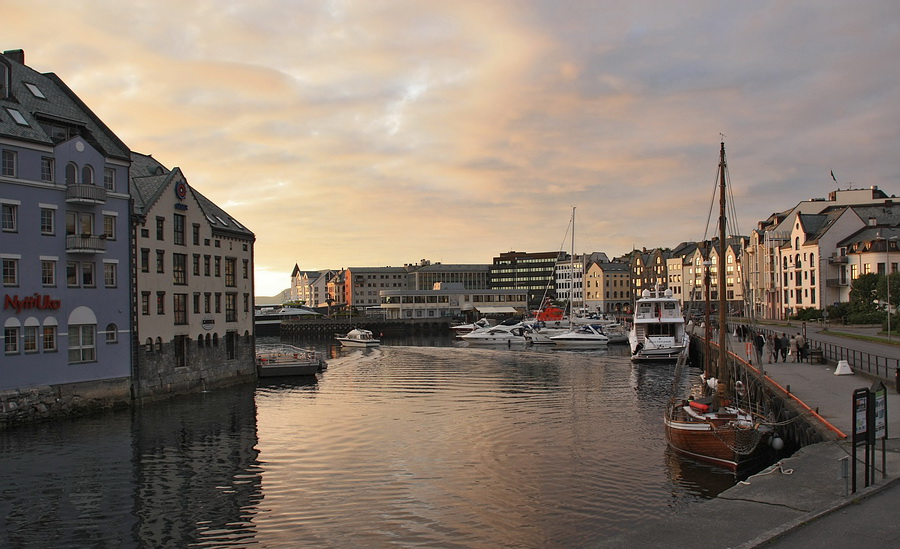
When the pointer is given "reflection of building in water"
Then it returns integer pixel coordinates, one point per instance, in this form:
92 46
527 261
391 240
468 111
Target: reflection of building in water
196 469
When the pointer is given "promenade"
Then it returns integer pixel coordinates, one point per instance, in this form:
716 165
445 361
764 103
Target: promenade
801 498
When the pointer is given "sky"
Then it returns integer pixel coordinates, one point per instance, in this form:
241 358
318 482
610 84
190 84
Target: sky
364 133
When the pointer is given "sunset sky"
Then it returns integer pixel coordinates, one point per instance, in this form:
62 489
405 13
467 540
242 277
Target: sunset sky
354 133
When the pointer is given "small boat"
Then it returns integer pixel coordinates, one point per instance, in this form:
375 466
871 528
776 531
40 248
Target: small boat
497 335
589 336
287 360
358 337
658 331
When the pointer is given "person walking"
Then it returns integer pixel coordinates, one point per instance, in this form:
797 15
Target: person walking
776 347
793 352
783 346
759 341
770 347
801 348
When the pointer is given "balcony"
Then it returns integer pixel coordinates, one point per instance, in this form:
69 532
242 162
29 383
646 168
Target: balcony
85 194
835 282
838 259
85 244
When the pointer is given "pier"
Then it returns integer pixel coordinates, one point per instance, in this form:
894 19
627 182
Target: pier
803 497
377 325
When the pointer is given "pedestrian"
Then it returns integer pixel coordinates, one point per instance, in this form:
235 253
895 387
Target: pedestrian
776 346
801 348
784 345
793 351
759 342
770 346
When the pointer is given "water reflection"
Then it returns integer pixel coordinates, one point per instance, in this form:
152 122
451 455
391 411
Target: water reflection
393 446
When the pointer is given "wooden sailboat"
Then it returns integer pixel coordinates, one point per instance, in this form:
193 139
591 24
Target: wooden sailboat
721 429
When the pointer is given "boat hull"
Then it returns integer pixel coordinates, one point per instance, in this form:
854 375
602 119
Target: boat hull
359 343
287 369
733 448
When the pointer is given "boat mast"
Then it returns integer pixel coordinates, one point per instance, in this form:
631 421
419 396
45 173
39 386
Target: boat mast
572 275
723 373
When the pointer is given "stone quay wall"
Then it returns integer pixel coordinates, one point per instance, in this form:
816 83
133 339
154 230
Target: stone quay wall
49 402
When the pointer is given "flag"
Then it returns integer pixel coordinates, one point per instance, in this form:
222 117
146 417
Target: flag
832 176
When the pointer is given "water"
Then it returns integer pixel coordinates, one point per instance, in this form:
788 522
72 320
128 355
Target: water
400 446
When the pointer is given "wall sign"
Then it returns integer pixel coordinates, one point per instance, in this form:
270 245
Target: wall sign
180 190
36 301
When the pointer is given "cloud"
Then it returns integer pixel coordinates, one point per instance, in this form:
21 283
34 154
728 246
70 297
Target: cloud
375 133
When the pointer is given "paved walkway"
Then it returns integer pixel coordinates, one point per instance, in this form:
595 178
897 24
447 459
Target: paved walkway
802 497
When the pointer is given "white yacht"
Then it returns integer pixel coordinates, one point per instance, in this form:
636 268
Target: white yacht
658 330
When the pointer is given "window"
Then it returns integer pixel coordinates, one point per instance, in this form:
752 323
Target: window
181 345
79 223
230 307
48 272
109 227
217 266
17 116
112 333
196 265
71 274
82 345
145 303
246 269
11 340
31 339
87 175
231 345
110 275
206 265
218 302
48 339
196 234
160 261
207 299
160 303
180 311
10 217
48 221
109 179
230 266
145 260
246 303
35 91
71 174
47 168
87 275
196 303
10 271
8 164
179 269
178 225
160 228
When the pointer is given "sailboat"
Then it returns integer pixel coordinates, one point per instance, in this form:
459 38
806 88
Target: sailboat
589 336
722 429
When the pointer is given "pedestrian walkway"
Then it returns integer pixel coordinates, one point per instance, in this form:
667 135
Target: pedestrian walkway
804 491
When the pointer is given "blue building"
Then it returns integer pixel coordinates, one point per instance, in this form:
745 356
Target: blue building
65 246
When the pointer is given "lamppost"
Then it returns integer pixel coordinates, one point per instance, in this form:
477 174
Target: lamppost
887 270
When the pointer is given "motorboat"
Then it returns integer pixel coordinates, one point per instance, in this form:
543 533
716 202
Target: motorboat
358 337
460 329
657 332
497 335
273 360
586 336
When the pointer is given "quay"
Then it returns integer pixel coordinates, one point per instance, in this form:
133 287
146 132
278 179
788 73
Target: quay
377 325
801 500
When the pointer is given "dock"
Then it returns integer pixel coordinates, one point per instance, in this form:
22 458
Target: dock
803 496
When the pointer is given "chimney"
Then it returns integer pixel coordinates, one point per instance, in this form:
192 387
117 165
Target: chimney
16 55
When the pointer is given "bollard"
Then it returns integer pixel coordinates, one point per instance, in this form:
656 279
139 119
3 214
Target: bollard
844 473
897 379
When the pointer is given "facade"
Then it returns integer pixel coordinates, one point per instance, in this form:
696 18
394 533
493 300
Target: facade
311 287
362 285
452 300
193 284
534 272
796 259
425 275
64 245
608 287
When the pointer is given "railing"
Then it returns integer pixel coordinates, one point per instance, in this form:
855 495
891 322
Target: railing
85 244
835 282
86 194
838 259
879 366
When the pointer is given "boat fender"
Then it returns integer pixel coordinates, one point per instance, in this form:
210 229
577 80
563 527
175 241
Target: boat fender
739 388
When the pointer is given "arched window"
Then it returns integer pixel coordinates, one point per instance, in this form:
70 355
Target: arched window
797 262
71 174
158 344
200 340
215 340
149 345
796 242
784 261
87 175
112 333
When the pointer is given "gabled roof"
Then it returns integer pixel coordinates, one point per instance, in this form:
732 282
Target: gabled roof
59 106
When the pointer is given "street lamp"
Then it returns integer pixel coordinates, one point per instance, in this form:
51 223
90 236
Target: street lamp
887 271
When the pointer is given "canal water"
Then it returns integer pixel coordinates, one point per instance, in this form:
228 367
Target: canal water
419 444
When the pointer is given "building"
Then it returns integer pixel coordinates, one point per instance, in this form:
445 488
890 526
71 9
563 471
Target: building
362 285
311 287
426 274
452 300
64 246
608 287
194 287
534 272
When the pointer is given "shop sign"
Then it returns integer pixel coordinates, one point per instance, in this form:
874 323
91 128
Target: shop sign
36 301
